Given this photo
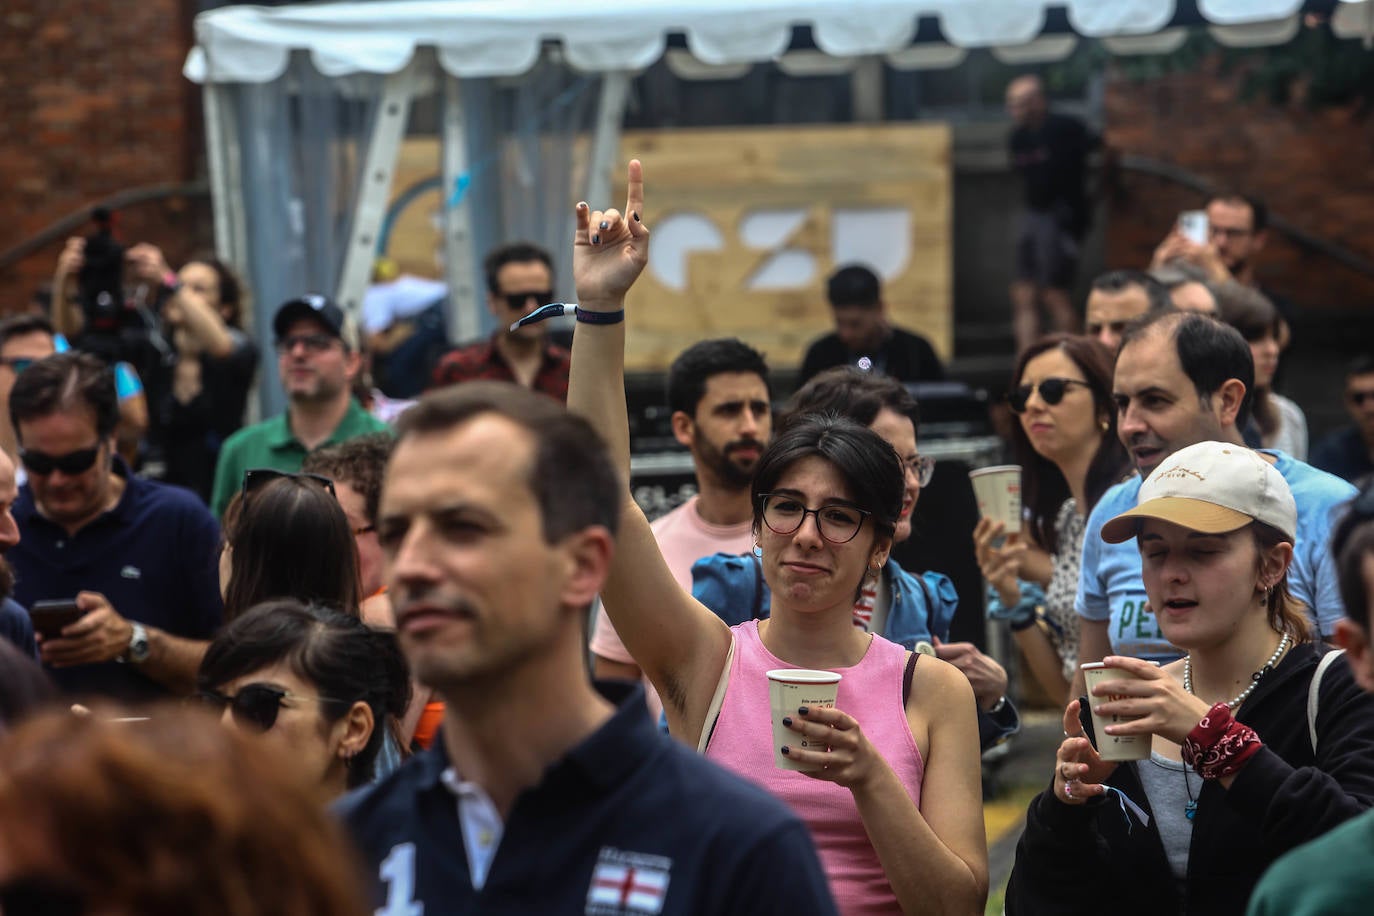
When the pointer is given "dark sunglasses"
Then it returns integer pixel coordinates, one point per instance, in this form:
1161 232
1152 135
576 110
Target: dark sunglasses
313 343
1355 397
516 301
255 705
1051 392
257 478
39 464
17 363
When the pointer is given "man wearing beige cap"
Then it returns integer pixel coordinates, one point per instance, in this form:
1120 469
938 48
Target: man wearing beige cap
1183 378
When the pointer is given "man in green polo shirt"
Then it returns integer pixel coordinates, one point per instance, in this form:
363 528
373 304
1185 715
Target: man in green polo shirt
317 359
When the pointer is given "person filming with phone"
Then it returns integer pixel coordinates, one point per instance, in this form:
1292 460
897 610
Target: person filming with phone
136 558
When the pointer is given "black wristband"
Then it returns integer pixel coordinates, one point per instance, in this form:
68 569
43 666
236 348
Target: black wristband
587 317
1019 625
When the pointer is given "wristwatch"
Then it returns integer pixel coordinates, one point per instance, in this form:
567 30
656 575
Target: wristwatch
997 707
139 648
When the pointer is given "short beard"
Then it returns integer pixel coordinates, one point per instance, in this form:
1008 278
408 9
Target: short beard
729 474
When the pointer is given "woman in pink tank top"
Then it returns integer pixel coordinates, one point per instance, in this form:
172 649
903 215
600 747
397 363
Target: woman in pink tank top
895 804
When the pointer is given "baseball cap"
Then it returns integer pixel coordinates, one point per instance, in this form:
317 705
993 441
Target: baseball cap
321 309
1213 487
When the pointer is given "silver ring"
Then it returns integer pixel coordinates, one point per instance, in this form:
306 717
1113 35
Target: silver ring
1068 789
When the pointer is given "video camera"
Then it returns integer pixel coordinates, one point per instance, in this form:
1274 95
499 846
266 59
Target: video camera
100 282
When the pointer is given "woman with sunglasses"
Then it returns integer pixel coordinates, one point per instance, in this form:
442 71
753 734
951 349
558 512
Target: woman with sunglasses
1065 441
319 684
1259 740
287 537
912 610
892 793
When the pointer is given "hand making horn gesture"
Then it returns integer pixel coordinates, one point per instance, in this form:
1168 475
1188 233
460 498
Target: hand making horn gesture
610 249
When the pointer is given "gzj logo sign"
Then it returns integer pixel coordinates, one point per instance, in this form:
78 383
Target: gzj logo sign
879 237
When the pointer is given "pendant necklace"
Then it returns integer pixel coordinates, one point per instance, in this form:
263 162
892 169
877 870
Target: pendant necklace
1190 809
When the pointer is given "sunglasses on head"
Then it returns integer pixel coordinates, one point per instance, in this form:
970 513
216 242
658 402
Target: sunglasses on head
1051 390
516 301
17 363
255 705
257 478
40 464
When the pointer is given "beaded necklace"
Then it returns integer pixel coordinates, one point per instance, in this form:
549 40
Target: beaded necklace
1190 809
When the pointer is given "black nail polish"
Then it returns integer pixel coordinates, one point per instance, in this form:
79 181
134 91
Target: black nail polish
635 215
802 710
596 240
786 750
786 720
605 225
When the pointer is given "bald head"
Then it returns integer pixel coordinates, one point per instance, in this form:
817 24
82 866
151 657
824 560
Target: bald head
1194 296
1026 100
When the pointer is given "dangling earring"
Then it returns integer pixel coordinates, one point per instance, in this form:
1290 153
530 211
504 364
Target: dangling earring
757 552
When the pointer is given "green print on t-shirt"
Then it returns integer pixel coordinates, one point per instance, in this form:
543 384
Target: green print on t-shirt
1135 622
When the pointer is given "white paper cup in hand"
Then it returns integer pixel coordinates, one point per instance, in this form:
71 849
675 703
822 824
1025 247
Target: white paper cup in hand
789 689
1113 747
998 491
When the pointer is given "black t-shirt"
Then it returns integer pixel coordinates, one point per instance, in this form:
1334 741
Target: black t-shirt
1052 160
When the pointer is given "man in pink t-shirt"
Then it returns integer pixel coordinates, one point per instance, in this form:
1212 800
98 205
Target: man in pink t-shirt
719 394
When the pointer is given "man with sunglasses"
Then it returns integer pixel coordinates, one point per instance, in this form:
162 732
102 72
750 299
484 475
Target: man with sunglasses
519 280
137 557
1183 378
1349 451
317 360
544 792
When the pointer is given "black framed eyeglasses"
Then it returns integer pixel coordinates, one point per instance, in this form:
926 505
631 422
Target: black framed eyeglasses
923 466
257 478
255 705
40 464
1052 391
516 301
313 343
837 522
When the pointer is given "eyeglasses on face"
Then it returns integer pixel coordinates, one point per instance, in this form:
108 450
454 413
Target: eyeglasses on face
923 466
41 464
257 478
516 301
313 343
836 522
255 705
1051 390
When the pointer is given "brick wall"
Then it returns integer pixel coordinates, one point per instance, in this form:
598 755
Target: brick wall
92 102
1312 167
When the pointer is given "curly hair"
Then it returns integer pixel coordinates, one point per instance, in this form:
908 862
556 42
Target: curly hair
173 816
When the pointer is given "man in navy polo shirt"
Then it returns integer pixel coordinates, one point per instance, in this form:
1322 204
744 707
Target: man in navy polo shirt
543 794
140 558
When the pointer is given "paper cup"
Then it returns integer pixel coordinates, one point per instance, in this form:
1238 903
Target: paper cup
788 689
1113 747
998 491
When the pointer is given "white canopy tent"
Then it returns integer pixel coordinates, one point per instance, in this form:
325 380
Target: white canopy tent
362 64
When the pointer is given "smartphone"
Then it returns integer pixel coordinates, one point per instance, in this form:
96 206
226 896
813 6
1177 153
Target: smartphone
1194 226
49 617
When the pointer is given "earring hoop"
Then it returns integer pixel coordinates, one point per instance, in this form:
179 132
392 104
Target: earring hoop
757 552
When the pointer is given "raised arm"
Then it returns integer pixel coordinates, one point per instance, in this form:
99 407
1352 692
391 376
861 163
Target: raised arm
679 643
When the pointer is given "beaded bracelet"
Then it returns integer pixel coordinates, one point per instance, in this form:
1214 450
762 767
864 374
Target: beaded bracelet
1219 745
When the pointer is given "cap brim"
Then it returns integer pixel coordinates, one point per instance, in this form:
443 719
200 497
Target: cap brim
1193 514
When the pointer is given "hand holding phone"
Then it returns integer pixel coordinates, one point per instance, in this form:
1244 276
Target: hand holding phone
1194 226
49 617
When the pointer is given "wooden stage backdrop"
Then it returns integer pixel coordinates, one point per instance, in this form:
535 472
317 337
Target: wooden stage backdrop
748 223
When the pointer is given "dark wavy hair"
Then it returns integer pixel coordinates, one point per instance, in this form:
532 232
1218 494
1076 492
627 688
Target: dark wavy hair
1043 485
694 367
850 392
290 539
343 658
1352 540
62 382
869 465
230 289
